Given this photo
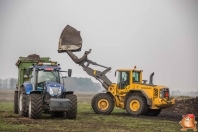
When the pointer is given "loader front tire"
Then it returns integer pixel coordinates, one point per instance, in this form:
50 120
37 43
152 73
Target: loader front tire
72 113
16 109
35 106
136 105
23 109
102 103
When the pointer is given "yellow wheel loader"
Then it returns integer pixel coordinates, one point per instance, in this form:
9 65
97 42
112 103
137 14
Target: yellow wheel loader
130 92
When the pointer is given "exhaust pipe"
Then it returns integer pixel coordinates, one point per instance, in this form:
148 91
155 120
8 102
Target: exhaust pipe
151 79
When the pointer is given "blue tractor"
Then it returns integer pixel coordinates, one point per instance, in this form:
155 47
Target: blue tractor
41 89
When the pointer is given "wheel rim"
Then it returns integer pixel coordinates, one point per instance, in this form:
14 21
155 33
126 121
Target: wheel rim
134 105
29 112
103 104
20 102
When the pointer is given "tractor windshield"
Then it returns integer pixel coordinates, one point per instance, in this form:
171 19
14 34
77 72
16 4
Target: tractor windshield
52 76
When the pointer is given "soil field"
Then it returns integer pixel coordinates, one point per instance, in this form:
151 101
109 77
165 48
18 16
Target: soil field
87 120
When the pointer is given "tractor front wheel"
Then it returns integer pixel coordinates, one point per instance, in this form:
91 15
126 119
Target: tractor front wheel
35 106
136 105
102 103
72 113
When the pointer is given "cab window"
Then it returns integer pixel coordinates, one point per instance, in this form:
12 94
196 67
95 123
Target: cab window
136 76
123 79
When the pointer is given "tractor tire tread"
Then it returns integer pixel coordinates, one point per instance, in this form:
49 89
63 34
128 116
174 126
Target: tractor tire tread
36 106
72 113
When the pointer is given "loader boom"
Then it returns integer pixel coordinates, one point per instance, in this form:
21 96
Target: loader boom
85 63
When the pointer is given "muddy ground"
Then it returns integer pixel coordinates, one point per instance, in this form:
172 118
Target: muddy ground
183 105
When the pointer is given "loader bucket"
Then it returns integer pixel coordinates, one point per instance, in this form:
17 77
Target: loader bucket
70 40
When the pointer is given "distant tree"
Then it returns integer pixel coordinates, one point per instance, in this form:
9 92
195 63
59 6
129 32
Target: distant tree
9 83
12 83
176 93
5 83
1 83
81 85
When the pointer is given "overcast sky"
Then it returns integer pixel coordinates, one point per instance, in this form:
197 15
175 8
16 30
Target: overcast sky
154 35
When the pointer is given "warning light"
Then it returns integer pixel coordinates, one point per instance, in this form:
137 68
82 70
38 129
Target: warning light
49 69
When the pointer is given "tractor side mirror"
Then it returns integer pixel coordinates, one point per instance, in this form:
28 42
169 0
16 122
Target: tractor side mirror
69 72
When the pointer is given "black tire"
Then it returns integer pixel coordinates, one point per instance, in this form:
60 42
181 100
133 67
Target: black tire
136 105
153 112
35 106
72 113
102 103
22 107
15 108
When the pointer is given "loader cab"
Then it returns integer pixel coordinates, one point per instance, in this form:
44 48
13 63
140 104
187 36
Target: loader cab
128 77
123 79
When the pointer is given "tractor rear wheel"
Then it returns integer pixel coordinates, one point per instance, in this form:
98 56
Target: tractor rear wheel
23 109
153 112
35 106
16 110
136 105
102 103
72 113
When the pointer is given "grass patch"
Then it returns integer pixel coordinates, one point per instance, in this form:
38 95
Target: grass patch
87 121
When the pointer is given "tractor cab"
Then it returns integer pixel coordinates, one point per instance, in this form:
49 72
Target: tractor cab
46 77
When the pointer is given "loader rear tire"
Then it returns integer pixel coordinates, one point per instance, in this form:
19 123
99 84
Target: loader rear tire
102 103
153 112
72 113
136 105
16 109
35 106
23 109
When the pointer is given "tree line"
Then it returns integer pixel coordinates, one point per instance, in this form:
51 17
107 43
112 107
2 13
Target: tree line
9 83
71 84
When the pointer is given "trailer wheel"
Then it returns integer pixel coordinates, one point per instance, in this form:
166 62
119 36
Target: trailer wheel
136 105
102 103
16 110
72 113
35 106
23 110
153 112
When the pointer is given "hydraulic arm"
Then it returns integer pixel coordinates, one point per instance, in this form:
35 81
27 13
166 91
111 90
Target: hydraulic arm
70 41
85 63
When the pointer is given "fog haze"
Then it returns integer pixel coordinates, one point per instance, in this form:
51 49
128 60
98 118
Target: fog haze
156 36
